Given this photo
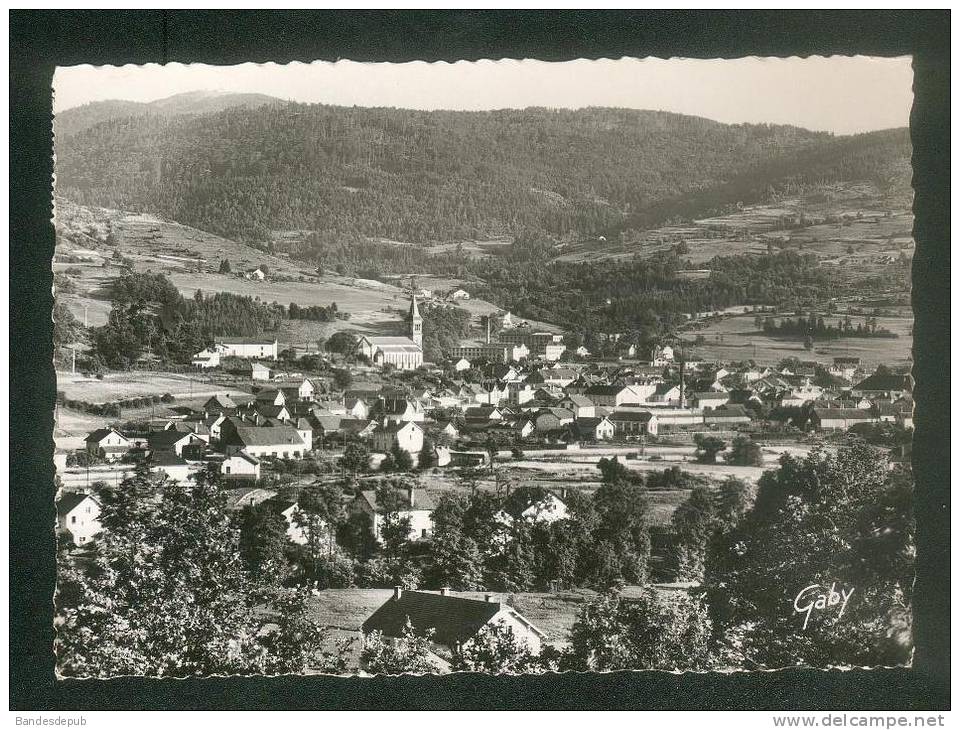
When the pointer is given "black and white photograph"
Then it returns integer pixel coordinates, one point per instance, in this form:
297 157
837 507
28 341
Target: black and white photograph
510 367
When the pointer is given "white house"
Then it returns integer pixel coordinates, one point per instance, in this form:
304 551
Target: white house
283 442
459 294
240 465
107 443
418 506
78 514
461 365
207 358
248 348
408 435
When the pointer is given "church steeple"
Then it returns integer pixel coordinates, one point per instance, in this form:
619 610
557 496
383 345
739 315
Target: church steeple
416 322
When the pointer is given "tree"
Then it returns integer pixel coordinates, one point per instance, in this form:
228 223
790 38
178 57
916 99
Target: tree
401 460
495 649
343 343
708 447
264 544
744 452
657 630
408 654
224 267
168 594
455 558
319 513
693 524
428 456
342 379
831 521
356 458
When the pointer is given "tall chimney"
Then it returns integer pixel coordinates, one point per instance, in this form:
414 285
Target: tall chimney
411 494
488 329
397 592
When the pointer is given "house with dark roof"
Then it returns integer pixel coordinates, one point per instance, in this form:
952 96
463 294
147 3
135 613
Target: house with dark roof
407 435
240 465
453 620
107 443
176 442
607 395
220 404
580 405
281 441
78 514
597 428
633 423
417 505
824 419
726 414
885 385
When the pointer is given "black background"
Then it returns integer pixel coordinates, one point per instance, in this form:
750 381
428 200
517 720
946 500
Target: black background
40 40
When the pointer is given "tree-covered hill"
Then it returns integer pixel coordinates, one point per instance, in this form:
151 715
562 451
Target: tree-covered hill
77 119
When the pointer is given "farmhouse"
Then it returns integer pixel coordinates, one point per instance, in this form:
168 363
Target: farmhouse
220 404
580 405
879 385
78 515
727 414
455 621
209 357
608 396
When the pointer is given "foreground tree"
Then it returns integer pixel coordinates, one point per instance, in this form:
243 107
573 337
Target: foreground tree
667 630
821 525
708 447
168 594
495 649
410 653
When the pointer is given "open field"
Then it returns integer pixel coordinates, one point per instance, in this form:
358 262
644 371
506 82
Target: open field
742 341
137 383
865 233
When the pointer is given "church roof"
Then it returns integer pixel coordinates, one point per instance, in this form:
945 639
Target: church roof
414 309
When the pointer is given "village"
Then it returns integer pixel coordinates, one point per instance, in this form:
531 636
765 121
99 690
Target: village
512 416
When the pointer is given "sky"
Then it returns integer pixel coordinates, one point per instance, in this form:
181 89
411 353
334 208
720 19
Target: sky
837 94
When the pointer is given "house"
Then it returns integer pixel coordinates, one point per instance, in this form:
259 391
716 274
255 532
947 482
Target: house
666 393
283 441
885 385
107 443
459 294
240 465
726 414
174 467
220 404
402 353
398 410
461 365
633 423
597 428
534 505
257 274
78 514
298 390
609 396
245 347
454 621
709 399
173 441
418 505
845 367
824 419
408 435
580 405
209 357
288 510
270 397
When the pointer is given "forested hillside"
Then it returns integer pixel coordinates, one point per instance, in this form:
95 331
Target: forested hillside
443 176
77 119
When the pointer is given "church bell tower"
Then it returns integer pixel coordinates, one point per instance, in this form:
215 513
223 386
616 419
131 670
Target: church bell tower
416 323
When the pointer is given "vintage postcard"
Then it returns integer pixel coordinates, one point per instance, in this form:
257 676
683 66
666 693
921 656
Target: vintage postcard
507 367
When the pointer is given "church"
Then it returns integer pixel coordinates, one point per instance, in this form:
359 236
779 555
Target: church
404 353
